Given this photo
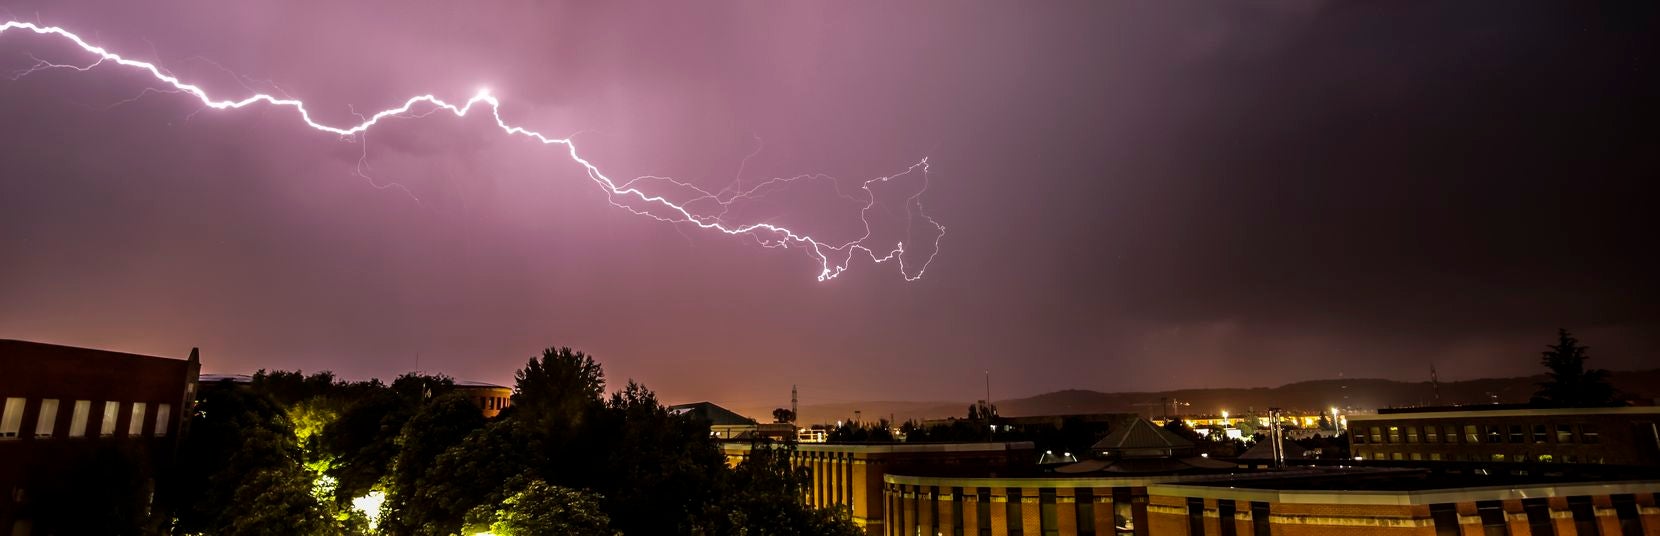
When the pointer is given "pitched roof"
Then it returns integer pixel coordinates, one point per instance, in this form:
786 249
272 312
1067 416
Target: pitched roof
709 411
1136 433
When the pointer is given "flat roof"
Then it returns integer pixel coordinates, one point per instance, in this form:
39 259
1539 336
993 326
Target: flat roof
1473 412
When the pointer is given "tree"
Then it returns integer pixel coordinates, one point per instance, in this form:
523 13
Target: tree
783 415
1571 384
764 499
540 508
440 425
558 387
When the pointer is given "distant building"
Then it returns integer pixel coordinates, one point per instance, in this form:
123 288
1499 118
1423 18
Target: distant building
728 425
68 409
1510 435
490 398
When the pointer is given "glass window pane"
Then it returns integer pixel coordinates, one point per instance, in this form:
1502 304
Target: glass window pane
78 420
163 411
135 427
11 418
111 413
48 418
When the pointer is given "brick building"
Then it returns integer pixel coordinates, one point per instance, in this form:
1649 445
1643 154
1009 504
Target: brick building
1510 435
67 409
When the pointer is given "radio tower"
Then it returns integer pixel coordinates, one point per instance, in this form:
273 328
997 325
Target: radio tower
793 414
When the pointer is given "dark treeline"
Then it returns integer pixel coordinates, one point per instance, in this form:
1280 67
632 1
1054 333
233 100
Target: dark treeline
296 454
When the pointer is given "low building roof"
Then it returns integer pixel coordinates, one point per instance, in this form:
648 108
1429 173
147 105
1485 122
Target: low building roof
711 412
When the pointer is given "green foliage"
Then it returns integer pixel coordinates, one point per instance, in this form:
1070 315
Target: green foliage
540 508
857 432
559 388
765 499
442 424
1570 383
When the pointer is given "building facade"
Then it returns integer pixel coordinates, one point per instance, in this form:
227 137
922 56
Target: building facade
490 398
1234 506
1510 435
68 411
851 475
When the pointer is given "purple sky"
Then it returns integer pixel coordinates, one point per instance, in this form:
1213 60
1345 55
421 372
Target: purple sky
1138 195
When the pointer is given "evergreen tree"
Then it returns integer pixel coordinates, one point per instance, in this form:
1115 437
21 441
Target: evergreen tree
1571 384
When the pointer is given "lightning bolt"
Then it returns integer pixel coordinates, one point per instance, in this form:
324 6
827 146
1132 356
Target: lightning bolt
833 258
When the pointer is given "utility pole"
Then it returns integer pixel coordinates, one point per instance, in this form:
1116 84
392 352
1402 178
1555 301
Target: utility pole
990 427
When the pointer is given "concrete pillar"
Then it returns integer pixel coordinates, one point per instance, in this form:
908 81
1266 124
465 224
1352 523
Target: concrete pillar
1608 521
890 501
1469 519
1515 518
1031 513
1561 518
1243 522
1104 522
819 481
1213 517
925 509
912 498
999 512
856 470
1066 510
971 512
1649 513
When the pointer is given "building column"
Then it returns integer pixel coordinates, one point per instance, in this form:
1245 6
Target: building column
1515 518
1608 521
1243 522
1649 513
1066 510
1104 522
1561 518
910 511
1469 519
999 512
1031 512
1213 517
927 506
948 498
820 481
890 501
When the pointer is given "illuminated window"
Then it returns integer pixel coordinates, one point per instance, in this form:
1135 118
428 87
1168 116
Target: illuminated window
1411 434
1588 434
1435 456
1417 457
11 419
1432 434
1377 435
1377 455
1396 456
1564 433
135 427
78 419
1546 458
1394 434
1498 457
1471 437
1451 435
111 410
163 411
48 418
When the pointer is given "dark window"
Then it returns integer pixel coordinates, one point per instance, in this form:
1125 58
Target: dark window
1432 434
1541 433
1016 528
1048 516
1451 435
1445 517
1564 433
1123 511
1086 512
1495 434
1516 435
1625 508
1588 434
1195 515
1360 439
1585 520
1224 510
1493 521
1259 518
1538 516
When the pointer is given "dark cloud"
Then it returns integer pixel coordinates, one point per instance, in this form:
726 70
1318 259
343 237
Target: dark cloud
1139 195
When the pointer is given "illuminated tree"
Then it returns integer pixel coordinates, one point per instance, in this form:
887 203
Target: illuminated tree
540 508
1570 383
440 425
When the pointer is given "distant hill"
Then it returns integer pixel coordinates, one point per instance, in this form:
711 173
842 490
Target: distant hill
1313 395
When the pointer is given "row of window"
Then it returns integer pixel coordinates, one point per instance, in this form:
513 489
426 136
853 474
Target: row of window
926 515
1495 457
46 423
1471 434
